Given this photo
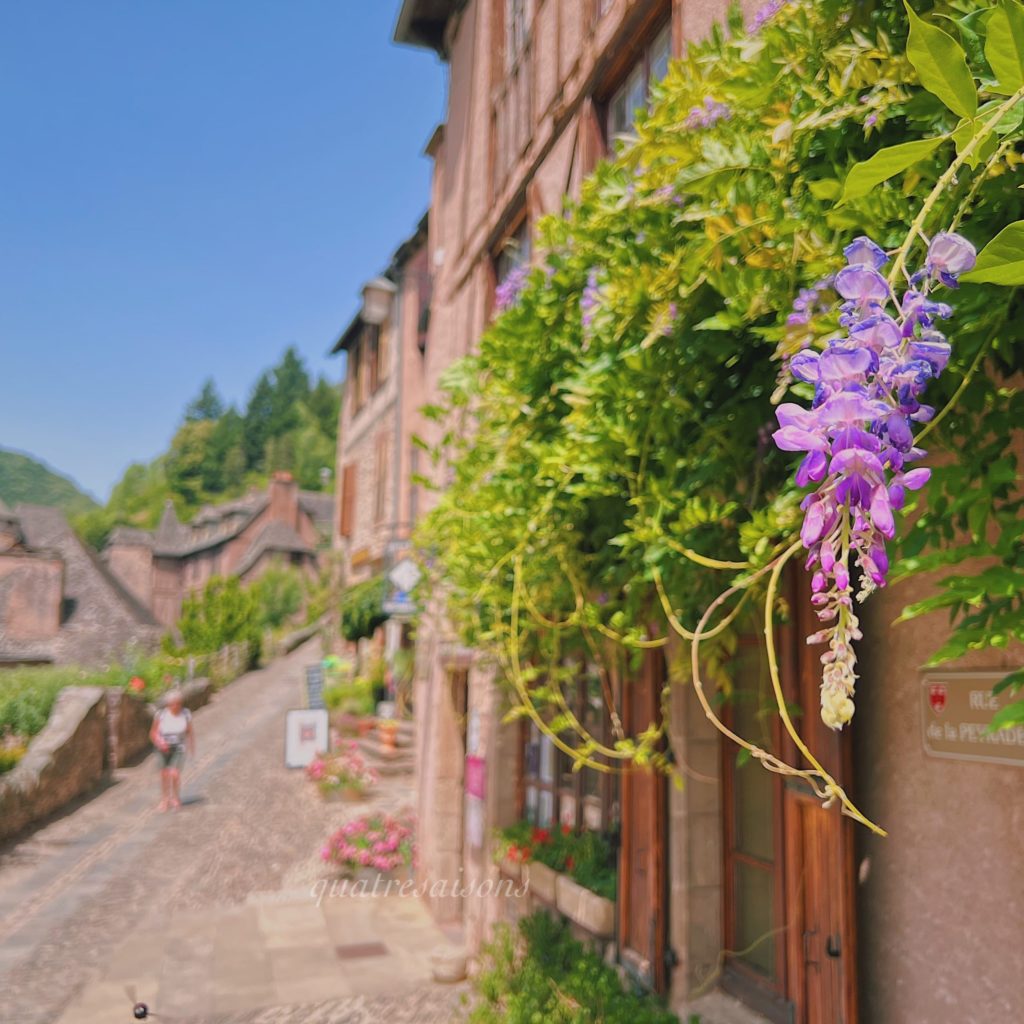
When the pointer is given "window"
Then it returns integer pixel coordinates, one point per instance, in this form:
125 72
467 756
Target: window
514 252
635 91
517 29
552 792
355 375
371 342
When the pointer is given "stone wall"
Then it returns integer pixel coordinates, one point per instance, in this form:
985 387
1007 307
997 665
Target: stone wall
65 760
90 730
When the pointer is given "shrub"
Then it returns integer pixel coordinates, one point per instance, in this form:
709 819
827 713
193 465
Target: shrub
362 608
354 698
278 595
223 613
544 974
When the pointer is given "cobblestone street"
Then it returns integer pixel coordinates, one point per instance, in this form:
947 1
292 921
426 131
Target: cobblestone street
208 912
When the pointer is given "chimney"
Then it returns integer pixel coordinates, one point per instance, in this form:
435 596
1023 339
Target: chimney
284 499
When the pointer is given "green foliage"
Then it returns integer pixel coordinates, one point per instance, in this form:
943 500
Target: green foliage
353 697
544 975
361 608
25 479
27 694
590 455
278 595
223 613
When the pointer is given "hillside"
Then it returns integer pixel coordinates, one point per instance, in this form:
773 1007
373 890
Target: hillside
25 479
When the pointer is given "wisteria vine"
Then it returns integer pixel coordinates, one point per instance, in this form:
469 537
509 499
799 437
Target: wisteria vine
858 435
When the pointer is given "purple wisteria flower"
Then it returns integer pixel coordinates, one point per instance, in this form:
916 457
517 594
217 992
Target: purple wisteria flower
857 437
507 292
590 300
709 114
765 13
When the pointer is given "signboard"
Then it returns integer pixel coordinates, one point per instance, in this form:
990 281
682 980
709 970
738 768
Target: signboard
956 710
305 736
315 686
405 575
399 603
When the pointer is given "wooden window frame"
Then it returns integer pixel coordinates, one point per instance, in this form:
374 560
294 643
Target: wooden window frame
628 58
575 792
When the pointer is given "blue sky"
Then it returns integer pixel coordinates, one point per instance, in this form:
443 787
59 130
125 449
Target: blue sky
187 187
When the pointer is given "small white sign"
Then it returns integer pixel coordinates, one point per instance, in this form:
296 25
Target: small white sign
405 575
306 734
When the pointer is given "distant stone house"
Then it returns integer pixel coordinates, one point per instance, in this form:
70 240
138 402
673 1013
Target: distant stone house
282 525
59 603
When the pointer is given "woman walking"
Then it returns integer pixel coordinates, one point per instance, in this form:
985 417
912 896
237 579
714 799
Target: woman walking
171 732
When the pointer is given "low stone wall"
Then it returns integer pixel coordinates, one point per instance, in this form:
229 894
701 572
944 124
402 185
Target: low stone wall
65 760
91 729
129 719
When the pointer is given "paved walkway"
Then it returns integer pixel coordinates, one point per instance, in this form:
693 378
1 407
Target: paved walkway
209 913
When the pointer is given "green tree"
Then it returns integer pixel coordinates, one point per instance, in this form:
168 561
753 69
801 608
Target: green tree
207 405
259 415
187 461
291 387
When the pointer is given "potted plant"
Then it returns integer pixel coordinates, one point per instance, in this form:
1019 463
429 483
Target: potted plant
373 843
387 729
342 776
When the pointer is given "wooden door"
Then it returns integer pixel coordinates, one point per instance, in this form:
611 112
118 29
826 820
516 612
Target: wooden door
819 858
789 867
642 872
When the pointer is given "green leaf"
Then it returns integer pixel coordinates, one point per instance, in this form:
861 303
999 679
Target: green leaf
1008 718
825 188
863 177
1004 46
941 65
1002 260
1013 682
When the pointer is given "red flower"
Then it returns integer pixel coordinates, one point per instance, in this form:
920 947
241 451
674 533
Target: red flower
566 830
569 863
137 684
525 853
540 835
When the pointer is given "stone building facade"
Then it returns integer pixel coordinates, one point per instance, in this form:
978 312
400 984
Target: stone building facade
384 344
279 526
59 604
740 897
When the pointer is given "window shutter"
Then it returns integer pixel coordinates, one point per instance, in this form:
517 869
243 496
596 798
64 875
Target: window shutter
348 501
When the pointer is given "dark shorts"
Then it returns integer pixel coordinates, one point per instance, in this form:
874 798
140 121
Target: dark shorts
173 757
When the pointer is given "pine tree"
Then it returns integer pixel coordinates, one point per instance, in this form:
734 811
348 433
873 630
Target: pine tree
207 406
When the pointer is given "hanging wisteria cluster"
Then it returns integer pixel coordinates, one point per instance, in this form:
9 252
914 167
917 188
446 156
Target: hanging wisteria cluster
858 436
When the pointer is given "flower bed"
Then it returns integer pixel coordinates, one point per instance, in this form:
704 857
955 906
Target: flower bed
377 842
344 774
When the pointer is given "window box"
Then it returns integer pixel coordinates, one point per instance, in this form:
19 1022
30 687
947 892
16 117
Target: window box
591 912
511 868
541 881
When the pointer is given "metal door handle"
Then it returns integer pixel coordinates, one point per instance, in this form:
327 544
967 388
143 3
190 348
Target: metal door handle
833 947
